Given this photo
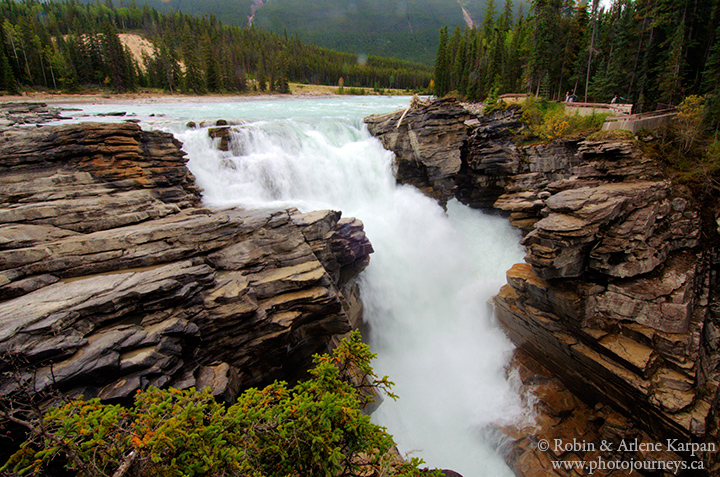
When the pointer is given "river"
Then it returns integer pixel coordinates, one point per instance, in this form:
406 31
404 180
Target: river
428 283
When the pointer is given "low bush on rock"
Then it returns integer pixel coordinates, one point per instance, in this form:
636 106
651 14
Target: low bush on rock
315 428
549 121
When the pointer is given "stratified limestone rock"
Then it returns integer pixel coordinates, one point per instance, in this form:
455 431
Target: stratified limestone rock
64 175
614 298
113 279
426 139
566 430
620 229
490 159
665 301
613 359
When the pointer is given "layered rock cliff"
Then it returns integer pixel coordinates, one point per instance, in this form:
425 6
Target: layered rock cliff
616 297
114 278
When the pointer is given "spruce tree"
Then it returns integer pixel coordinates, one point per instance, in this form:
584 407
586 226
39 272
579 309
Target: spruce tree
505 22
711 82
8 82
442 65
488 23
212 68
115 59
194 81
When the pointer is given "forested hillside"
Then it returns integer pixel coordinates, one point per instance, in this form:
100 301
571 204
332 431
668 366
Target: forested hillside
645 51
69 46
396 28
405 29
228 12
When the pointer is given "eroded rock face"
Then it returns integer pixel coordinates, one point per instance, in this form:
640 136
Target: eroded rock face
426 139
490 158
614 294
571 431
617 297
113 278
613 298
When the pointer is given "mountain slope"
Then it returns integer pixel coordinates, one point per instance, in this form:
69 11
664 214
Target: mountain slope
405 29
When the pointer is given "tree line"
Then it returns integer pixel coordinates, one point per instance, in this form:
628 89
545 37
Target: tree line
647 52
70 46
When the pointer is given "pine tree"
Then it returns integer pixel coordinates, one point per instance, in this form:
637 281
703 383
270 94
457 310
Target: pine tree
168 67
547 43
7 76
711 82
459 67
193 78
670 79
505 22
454 46
8 81
212 68
442 65
488 23
115 59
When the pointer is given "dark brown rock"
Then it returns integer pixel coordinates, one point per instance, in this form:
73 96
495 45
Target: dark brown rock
222 135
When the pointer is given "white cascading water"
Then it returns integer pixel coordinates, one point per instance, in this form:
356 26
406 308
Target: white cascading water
428 283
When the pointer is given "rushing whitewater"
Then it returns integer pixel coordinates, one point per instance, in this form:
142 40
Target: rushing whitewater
427 287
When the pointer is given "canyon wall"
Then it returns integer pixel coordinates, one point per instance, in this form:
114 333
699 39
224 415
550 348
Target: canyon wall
114 277
616 298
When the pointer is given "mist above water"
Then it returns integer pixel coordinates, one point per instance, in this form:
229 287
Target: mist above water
428 283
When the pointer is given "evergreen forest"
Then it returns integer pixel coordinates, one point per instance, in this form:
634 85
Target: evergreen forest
405 29
648 52
71 46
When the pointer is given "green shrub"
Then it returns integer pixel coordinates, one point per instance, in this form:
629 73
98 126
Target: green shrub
549 121
316 428
700 171
493 103
689 122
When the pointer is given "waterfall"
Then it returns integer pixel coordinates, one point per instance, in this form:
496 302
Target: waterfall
427 287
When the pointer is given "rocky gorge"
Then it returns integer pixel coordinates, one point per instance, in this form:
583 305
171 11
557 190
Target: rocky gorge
614 313
114 277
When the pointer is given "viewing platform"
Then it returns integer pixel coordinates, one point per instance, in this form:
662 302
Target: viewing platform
586 109
637 122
